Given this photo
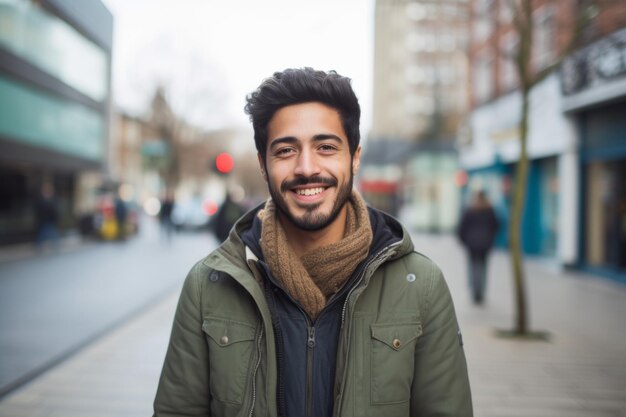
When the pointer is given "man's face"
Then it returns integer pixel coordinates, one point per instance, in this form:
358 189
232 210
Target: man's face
308 164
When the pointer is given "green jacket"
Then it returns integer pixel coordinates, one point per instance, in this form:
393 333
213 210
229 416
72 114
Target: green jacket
399 354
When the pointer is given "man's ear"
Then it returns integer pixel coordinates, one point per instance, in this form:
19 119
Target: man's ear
262 166
356 160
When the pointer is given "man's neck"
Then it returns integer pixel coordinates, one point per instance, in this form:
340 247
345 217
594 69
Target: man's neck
303 241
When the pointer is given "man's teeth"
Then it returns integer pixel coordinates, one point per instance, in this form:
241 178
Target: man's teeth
310 191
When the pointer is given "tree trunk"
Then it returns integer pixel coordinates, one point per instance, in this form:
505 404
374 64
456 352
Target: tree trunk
515 234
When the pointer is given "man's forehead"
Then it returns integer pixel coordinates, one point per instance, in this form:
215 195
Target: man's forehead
305 121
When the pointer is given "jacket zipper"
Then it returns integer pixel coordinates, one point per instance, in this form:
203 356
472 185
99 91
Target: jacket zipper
377 258
310 346
311 326
256 367
309 371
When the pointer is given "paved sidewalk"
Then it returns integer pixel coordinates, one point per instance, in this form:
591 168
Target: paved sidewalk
580 371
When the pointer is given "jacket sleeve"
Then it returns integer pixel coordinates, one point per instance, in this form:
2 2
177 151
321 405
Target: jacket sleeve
440 384
184 384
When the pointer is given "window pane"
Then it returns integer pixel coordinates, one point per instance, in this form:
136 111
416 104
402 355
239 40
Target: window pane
54 46
36 118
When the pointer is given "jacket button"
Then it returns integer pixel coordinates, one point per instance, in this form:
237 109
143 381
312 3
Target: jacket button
224 340
214 277
396 343
410 277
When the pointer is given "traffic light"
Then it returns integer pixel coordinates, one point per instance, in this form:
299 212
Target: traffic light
224 163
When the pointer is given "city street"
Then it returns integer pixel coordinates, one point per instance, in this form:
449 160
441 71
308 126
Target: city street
580 371
54 303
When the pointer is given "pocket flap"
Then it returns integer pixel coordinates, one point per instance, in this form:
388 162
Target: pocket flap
226 332
396 335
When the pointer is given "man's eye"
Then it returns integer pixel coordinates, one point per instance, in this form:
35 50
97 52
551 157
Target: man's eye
327 148
284 151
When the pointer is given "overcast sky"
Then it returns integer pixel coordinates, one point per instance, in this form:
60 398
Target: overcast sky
210 53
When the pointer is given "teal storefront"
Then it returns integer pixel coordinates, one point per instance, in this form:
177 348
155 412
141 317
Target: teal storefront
539 223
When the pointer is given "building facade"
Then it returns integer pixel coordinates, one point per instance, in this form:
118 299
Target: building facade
419 68
55 95
594 88
555 217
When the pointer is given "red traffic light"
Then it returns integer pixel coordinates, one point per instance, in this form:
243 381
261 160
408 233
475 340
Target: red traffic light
224 163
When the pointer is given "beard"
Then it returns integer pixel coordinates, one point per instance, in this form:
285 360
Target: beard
312 220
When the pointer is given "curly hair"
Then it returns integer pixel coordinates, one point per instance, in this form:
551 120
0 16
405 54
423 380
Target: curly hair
303 85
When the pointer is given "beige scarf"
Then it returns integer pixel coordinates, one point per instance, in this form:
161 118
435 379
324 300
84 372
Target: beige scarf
319 273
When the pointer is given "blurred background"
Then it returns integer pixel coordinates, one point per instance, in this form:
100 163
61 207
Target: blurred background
123 143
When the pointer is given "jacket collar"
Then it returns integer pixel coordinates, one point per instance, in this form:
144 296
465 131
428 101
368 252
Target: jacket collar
386 230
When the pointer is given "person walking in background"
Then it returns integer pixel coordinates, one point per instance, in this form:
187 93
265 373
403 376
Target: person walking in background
316 304
229 212
47 217
121 215
165 216
477 230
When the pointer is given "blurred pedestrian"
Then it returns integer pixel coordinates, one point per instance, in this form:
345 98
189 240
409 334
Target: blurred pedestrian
477 231
316 304
47 217
121 216
165 216
229 212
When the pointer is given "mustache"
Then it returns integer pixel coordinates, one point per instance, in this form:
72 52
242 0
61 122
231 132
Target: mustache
287 185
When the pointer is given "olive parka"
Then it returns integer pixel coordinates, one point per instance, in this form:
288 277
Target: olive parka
399 349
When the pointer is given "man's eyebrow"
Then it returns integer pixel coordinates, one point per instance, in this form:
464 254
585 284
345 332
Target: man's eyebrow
286 139
326 136
316 138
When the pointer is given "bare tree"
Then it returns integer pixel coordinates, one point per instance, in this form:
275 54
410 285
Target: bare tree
577 29
187 94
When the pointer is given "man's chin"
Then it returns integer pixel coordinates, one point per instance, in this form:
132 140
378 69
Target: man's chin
312 223
310 218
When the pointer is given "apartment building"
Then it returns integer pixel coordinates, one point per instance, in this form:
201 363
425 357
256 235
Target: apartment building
420 96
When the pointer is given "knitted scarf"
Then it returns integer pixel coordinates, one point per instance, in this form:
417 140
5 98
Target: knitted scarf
319 273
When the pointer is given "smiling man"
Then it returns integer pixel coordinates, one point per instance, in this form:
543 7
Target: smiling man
316 305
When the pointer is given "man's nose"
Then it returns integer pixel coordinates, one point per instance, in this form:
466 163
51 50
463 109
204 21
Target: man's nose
307 164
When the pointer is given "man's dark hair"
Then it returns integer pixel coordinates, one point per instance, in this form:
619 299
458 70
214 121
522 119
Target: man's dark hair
303 85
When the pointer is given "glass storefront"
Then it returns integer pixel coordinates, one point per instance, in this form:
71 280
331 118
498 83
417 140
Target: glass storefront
549 206
54 46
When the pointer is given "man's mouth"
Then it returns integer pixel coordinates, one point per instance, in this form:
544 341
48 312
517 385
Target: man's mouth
309 191
308 187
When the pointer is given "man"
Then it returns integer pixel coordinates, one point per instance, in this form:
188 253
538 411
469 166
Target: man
47 217
477 231
316 305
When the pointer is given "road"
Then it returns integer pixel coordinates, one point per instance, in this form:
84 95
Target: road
53 304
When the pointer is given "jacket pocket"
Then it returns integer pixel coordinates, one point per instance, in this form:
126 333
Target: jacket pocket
230 350
393 357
